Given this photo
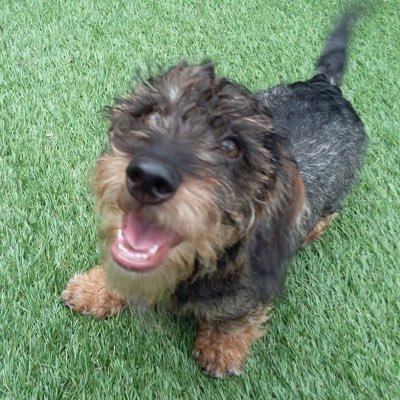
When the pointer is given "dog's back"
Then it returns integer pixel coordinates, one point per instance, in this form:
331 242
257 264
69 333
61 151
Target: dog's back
321 128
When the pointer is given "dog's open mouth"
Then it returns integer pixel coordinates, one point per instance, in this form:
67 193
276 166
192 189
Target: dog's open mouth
141 246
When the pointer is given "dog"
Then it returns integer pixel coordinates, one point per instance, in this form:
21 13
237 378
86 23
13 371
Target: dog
206 190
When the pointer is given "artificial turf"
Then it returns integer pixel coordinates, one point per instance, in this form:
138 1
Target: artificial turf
335 332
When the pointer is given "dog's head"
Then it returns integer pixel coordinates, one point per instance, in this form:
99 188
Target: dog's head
192 162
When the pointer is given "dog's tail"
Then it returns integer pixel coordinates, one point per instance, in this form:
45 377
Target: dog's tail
333 61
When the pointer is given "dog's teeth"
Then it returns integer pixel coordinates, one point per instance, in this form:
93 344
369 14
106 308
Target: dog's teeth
124 250
154 249
143 256
139 255
134 254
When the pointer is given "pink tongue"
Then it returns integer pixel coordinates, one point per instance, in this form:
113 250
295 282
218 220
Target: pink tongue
141 235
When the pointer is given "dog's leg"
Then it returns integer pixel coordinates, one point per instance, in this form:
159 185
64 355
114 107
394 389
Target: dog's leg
88 294
221 347
319 228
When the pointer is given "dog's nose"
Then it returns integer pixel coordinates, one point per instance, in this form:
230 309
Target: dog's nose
150 181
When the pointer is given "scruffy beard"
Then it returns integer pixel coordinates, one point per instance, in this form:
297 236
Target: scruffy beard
188 227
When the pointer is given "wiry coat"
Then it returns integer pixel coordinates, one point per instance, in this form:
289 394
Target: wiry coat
259 175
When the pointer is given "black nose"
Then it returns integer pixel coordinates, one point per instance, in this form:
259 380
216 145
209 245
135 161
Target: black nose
151 181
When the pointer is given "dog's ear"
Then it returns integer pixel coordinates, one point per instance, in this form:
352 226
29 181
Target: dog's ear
268 250
208 68
276 234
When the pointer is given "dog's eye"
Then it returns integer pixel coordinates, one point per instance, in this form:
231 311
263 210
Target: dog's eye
153 119
230 148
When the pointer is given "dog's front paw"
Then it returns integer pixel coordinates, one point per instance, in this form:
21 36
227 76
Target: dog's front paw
216 362
220 355
87 294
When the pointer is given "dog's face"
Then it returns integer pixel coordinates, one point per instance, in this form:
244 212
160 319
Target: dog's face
191 162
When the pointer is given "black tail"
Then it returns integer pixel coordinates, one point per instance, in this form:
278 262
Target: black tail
333 61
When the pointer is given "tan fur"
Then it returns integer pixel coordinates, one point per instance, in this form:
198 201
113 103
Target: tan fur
288 199
155 286
89 294
226 191
298 201
319 228
207 213
206 237
222 349
186 214
297 209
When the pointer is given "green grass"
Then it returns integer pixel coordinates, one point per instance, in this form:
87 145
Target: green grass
335 333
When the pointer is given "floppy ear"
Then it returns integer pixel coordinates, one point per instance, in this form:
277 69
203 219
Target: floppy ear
277 234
